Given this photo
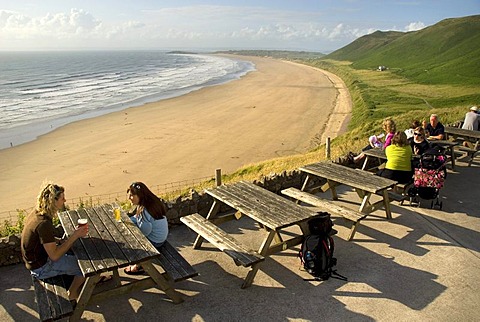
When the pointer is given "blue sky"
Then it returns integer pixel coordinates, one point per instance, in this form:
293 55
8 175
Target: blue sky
322 25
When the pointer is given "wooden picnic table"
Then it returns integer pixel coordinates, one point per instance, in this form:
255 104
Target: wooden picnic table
456 132
109 246
378 154
364 183
271 211
449 149
465 135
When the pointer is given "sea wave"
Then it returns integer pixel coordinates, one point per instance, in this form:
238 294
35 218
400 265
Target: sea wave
47 90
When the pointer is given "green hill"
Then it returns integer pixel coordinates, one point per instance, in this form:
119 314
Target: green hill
445 53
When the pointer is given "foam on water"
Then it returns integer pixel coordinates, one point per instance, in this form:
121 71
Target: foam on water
40 91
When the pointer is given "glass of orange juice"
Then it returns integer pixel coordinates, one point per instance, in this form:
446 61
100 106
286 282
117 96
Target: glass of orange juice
116 213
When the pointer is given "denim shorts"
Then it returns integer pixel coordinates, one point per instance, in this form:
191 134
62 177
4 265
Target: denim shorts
66 265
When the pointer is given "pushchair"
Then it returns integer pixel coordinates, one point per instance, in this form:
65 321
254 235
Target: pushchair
429 178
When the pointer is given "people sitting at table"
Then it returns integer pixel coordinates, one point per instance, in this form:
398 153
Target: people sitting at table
434 130
44 254
399 160
149 214
389 127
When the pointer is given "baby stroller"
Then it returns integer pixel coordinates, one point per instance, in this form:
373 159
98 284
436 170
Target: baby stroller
429 177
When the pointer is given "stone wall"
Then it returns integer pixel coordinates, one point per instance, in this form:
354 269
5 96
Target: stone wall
196 202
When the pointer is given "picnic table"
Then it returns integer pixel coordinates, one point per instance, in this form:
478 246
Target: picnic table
465 135
449 149
364 183
271 211
370 154
109 246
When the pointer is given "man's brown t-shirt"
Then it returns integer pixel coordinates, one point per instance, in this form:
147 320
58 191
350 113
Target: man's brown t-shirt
38 230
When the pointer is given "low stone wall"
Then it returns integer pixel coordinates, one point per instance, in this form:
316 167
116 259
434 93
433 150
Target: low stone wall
196 202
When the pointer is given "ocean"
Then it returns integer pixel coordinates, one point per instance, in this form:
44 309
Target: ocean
41 91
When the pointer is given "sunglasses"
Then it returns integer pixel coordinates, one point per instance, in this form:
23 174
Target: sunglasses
416 133
135 186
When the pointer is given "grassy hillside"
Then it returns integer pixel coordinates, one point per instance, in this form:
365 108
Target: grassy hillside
445 53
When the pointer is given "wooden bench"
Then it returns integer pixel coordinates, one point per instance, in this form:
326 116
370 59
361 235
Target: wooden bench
470 153
176 267
394 196
330 207
222 240
52 298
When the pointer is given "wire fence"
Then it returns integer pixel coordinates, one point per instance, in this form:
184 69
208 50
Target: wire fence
164 190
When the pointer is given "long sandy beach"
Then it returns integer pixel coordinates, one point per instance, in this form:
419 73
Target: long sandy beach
280 109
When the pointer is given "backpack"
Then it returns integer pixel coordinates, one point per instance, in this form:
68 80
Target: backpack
317 249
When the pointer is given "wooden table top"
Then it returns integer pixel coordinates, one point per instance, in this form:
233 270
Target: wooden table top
355 178
455 131
376 153
109 244
263 206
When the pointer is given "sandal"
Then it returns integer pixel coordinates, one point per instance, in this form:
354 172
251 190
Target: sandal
134 270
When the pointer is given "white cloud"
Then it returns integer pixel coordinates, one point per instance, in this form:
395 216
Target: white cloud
195 27
75 23
414 26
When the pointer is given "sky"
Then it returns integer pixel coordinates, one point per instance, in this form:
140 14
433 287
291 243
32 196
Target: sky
321 25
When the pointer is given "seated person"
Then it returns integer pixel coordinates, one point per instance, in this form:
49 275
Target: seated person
150 215
434 130
471 122
472 119
399 160
409 132
375 141
418 142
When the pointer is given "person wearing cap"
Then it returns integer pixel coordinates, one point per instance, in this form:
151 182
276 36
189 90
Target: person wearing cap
472 119
471 122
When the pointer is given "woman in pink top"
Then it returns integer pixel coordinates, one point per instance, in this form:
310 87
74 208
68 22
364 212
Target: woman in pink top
390 128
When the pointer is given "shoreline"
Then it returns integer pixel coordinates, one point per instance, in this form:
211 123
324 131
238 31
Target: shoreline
27 132
279 109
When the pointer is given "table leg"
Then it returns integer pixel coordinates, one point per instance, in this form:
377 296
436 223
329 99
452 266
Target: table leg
332 185
452 157
305 183
365 205
364 166
84 297
162 283
211 214
386 204
263 250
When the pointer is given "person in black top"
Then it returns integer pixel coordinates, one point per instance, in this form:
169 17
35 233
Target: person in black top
418 142
434 130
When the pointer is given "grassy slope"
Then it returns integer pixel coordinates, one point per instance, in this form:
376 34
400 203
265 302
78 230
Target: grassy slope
445 53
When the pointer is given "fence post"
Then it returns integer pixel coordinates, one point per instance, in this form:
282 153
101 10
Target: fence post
218 177
327 148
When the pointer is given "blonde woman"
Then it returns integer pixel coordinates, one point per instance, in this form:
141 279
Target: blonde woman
40 252
390 128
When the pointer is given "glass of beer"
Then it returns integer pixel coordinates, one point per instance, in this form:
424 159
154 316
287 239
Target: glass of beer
82 222
116 213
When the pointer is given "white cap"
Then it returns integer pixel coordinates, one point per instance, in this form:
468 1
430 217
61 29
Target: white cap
474 108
